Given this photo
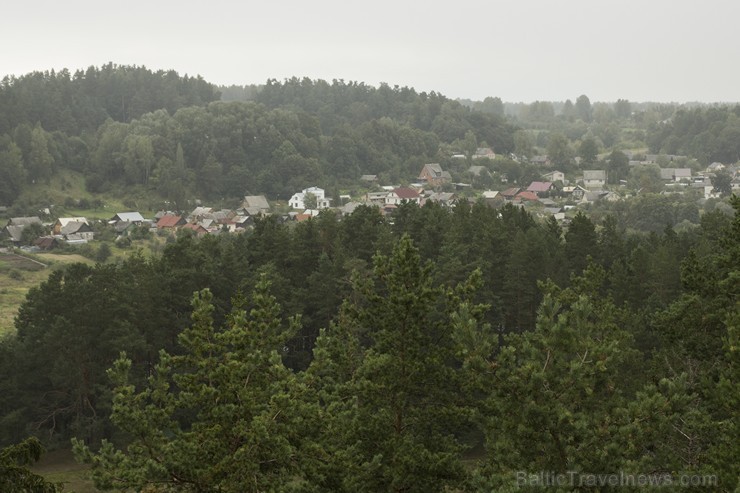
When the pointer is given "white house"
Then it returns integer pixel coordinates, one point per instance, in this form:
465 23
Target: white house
594 178
554 176
297 201
401 194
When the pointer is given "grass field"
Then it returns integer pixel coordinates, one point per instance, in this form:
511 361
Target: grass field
59 466
18 274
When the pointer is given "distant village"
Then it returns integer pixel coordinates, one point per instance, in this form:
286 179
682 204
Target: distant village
553 195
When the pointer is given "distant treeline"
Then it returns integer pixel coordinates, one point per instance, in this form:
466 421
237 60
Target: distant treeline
706 132
81 102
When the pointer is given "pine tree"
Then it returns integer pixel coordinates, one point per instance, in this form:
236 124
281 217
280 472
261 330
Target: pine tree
389 379
14 472
223 416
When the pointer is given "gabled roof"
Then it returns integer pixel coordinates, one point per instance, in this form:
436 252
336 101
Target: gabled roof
24 221
539 186
510 192
666 173
243 220
207 222
433 168
201 211
552 173
406 193
548 202
434 171
122 226
220 216
196 227
170 221
46 242
74 227
443 197
256 201
128 216
682 172
14 232
63 221
349 207
526 195
490 194
573 188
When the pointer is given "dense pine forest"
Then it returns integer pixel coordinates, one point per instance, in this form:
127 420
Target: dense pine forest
465 348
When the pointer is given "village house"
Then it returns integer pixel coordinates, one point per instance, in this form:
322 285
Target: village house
510 193
675 174
376 198
714 167
171 221
492 198
594 178
554 176
574 192
433 175
13 231
46 243
127 217
446 199
60 223
197 229
349 208
199 213
401 194
484 152
525 196
540 188
255 205
24 221
78 231
298 200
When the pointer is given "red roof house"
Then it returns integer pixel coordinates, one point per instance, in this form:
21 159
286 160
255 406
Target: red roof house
526 196
400 194
540 187
170 221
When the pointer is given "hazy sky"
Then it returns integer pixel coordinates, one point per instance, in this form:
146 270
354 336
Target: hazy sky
518 50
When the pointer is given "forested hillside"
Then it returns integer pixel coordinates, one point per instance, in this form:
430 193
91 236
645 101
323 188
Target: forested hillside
168 135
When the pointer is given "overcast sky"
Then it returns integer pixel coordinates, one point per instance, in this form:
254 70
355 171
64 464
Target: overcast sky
518 50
